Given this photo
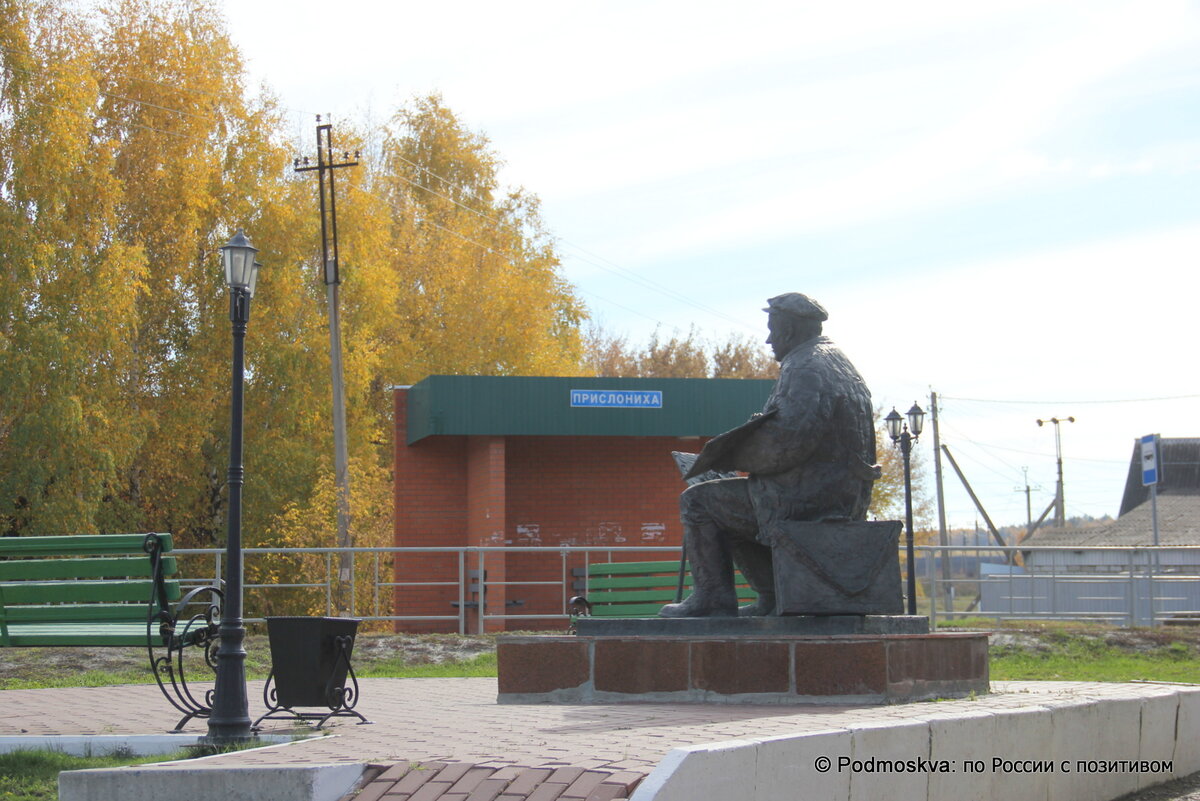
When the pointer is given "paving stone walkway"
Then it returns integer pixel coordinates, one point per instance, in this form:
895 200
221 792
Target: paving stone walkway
448 739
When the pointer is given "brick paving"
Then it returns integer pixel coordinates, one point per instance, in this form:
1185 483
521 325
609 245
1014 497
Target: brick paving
448 739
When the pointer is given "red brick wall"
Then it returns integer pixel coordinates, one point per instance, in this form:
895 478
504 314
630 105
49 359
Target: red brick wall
528 490
430 491
617 491
486 500
594 490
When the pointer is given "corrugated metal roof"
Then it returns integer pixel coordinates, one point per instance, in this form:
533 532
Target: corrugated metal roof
506 406
1179 465
1178 524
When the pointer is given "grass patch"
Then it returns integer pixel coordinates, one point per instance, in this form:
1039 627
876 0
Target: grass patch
33 775
1065 656
481 666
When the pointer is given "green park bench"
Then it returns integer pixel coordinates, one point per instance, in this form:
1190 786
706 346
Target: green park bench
638 589
108 590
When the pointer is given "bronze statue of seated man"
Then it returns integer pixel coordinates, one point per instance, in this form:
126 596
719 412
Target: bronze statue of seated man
809 455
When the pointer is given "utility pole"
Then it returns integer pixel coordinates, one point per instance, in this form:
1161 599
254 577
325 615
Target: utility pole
1060 507
943 534
325 166
1028 501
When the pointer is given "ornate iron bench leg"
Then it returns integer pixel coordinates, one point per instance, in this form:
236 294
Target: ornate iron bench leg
199 631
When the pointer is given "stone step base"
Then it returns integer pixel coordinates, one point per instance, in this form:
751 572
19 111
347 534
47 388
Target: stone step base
853 669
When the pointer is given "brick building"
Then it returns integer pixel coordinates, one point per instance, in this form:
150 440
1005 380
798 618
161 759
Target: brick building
529 462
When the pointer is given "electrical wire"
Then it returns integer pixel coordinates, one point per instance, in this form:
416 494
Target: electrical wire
487 248
587 256
582 254
1069 402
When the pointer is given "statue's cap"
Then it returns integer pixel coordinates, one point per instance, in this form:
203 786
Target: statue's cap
797 305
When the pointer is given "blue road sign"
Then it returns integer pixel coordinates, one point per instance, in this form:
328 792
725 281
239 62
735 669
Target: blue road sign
1150 472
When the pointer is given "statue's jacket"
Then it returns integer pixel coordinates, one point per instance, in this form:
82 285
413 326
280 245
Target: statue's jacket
813 458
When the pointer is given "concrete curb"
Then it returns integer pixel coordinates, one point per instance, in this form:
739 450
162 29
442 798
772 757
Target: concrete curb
320 782
1094 748
105 744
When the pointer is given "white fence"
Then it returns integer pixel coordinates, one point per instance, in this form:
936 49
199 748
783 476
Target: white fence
1125 586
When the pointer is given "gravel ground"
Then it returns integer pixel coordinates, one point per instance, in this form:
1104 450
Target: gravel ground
369 650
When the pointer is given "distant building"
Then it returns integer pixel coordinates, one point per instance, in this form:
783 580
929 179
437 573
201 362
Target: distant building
520 463
1100 571
1178 519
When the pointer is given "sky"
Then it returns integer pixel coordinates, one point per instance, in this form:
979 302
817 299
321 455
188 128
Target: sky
996 201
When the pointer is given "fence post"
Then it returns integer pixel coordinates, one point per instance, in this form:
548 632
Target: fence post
1132 589
934 591
375 586
481 561
562 558
353 584
328 584
1054 582
462 592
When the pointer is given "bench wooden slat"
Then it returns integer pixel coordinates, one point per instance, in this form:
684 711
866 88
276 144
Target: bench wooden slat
663 596
640 589
632 568
647 582
78 544
50 634
627 610
78 613
41 592
111 567
636 582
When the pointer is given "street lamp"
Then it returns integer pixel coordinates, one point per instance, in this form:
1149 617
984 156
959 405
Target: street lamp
905 435
229 720
1060 509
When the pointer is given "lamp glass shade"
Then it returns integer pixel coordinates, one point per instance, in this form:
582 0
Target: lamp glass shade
253 277
916 420
238 257
894 422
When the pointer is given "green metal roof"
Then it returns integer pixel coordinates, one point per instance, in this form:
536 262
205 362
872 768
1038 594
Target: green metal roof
625 407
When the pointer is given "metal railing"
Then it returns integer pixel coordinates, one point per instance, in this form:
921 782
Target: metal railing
1122 585
1126 586
375 567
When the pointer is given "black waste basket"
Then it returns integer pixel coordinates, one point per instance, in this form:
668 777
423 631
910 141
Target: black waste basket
310 662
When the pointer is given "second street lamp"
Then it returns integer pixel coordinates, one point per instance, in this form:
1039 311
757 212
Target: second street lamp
904 436
229 720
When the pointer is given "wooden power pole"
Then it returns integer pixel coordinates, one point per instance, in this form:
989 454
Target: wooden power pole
326 164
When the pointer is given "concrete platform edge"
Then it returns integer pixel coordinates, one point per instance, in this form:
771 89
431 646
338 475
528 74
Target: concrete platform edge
315 782
1138 724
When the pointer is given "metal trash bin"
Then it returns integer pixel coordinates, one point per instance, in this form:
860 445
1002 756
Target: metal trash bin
310 665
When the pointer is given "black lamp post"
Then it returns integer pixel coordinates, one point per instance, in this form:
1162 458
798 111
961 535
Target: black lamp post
905 436
229 720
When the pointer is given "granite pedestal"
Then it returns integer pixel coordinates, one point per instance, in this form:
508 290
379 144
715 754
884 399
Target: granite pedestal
843 659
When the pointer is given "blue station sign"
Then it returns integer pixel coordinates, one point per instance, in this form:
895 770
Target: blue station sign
617 398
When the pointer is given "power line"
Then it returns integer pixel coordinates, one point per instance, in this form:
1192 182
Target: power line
581 253
92 119
587 256
489 249
1060 402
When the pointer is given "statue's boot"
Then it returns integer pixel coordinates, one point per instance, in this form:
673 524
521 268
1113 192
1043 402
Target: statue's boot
754 560
712 578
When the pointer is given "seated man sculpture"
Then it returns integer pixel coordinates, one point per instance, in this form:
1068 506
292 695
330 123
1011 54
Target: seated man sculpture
809 456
